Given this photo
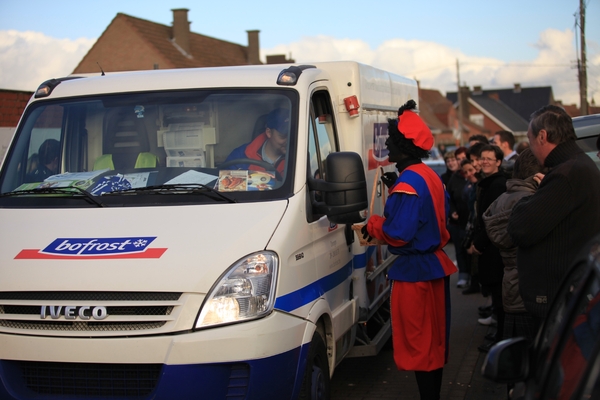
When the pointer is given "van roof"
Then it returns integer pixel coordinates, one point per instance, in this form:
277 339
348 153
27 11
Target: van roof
347 72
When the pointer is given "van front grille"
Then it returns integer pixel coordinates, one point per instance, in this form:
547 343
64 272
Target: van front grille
79 380
102 313
81 326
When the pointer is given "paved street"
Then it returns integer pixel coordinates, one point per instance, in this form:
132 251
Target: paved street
368 378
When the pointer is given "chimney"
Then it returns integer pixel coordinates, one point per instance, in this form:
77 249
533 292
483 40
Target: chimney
280 59
477 90
181 29
517 88
253 48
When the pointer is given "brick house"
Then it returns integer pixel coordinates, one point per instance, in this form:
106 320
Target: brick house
437 112
502 109
441 117
575 111
12 104
130 43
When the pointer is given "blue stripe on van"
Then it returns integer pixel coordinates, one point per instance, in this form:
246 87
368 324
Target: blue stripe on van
360 260
310 293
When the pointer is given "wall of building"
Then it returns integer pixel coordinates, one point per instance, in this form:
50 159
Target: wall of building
12 104
6 135
121 49
487 123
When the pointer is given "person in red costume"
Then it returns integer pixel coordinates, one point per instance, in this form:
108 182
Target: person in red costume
414 227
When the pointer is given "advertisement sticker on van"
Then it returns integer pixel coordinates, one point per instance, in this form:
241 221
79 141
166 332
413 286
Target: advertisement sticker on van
95 248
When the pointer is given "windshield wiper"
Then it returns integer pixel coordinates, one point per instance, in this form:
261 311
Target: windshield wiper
70 190
187 188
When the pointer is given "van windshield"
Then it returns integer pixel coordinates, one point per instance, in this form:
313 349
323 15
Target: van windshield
201 146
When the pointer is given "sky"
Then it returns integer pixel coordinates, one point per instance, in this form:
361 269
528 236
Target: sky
495 43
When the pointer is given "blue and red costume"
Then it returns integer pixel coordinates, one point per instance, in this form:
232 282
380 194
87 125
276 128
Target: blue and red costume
253 151
414 227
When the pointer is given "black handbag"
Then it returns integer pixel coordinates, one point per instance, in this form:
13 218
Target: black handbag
470 233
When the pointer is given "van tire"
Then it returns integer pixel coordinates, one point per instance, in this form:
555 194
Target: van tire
316 383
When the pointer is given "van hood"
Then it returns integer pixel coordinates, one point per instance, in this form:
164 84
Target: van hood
175 249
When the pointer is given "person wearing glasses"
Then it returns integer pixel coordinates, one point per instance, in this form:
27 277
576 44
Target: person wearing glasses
491 267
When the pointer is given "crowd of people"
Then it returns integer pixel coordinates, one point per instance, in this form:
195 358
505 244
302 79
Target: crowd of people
518 216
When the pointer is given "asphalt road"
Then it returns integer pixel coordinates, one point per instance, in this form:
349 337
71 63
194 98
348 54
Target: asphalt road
370 378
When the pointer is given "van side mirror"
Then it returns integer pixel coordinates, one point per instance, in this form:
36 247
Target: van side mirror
344 190
507 361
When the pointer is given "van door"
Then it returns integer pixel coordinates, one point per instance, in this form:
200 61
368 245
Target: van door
333 256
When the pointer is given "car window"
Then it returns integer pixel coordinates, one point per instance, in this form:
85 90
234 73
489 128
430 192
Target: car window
587 129
591 387
577 345
589 146
546 342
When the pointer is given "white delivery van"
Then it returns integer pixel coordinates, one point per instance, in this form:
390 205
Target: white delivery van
138 260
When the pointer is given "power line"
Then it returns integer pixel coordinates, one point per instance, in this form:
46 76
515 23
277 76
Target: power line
519 65
504 65
430 69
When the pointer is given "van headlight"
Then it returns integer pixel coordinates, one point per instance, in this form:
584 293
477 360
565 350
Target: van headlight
246 291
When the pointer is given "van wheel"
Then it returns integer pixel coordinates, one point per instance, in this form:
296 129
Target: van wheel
315 385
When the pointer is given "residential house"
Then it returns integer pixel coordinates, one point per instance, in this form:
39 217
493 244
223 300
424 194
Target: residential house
441 117
502 109
575 111
437 112
131 43
12 104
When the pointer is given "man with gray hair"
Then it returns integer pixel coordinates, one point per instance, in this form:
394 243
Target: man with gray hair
550 226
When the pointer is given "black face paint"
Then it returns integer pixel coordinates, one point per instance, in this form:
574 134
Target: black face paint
394 152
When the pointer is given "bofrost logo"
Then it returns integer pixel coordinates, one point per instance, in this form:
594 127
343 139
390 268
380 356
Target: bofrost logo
95 248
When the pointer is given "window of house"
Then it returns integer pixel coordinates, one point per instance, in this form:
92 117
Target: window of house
476 119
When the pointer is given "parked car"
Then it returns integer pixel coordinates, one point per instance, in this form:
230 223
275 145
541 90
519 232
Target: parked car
438 166
587 129
564 360
436 161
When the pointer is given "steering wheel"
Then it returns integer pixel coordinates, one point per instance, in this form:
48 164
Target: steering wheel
259 163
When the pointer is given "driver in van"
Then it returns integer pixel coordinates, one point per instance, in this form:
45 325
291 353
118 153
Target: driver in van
47 160
270 146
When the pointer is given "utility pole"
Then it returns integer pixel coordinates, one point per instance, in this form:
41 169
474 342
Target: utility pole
582 68
460 105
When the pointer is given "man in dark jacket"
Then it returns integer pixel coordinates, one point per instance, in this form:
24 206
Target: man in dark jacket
550 226
491 267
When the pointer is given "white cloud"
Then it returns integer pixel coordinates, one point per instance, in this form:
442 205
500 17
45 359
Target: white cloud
434 65
29 58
